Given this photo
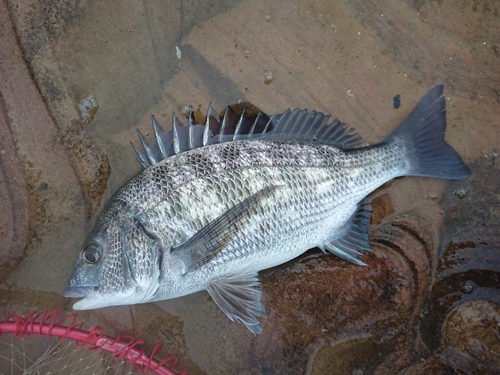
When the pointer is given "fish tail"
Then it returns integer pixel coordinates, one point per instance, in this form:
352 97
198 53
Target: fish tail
422 135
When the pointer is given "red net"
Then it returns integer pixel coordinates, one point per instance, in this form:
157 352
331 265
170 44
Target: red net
52 323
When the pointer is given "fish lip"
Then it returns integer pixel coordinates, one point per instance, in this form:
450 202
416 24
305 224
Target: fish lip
92 300
87 297
76 292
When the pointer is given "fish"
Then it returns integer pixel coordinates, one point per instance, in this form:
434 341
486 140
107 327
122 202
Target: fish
220 201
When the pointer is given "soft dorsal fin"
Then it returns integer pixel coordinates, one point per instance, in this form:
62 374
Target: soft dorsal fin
299 125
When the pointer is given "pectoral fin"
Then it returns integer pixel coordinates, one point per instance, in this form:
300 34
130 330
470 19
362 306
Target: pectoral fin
239 296
212 239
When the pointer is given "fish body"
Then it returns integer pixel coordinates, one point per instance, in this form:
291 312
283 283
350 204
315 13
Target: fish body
212 210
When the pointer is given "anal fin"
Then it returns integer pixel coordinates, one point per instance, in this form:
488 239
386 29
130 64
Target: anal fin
239 296
354 239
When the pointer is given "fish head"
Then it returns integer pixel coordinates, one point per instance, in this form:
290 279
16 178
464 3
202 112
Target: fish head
118 265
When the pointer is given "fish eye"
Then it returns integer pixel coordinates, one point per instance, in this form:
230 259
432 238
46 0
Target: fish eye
91 254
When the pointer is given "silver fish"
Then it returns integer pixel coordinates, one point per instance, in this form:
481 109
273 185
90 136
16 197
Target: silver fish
219 202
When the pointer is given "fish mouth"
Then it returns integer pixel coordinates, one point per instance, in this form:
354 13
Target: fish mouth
75 292
87 301
91 299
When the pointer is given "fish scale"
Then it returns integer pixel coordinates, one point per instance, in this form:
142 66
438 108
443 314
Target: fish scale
218 202
300 183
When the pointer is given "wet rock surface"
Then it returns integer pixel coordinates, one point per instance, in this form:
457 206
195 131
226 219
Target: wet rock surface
428 300
465 299
14 214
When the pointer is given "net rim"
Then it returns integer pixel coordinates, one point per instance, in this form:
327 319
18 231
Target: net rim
53 323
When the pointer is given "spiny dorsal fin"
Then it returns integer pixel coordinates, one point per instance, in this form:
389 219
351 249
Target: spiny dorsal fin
298 125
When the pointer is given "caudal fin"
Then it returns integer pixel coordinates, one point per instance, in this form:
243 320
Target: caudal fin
422 134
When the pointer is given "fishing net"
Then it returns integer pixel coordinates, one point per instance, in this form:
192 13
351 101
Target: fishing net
50 342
